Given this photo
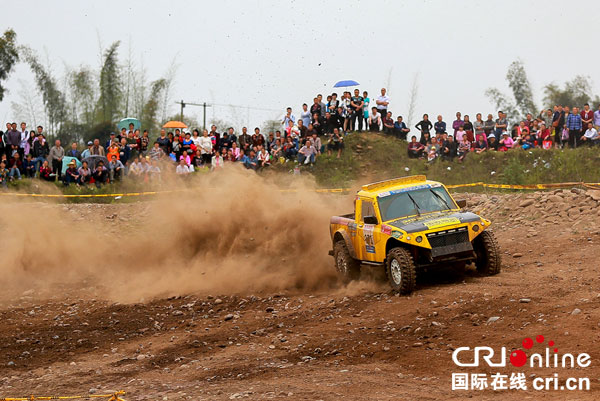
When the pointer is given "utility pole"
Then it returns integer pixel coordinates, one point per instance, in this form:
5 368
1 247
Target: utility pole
204 106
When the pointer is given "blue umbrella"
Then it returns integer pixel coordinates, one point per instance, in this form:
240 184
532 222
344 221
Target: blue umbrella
349 82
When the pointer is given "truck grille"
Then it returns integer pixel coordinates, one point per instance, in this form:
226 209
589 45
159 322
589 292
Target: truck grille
451 241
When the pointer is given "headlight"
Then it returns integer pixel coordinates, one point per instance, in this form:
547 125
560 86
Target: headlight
408 237
475 227
419 239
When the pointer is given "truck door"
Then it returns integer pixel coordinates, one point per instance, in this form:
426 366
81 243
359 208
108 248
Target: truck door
366 237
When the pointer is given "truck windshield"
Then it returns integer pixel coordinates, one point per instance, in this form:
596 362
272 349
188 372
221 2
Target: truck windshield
424 200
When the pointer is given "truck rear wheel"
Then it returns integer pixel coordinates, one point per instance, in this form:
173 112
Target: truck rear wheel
486 248
347 267
401 272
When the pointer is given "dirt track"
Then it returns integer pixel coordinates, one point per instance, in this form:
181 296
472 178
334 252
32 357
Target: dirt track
359 343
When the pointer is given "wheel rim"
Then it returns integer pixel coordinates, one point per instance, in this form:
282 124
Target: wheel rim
341 264
396 271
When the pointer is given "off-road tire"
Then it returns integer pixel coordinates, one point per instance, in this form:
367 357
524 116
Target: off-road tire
401 271
346 266
487 250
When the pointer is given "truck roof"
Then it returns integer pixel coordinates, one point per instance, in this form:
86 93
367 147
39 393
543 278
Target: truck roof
372 190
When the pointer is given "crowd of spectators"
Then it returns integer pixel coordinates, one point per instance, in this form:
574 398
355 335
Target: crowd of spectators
560 127
320 128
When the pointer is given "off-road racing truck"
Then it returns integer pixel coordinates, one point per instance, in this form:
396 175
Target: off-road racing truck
409 224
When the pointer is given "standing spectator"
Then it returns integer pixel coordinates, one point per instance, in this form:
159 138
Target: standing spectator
73 152
501 124
13 140
56 155
424 126
457 123
24 137
245 139
318 124
374 120
40 151
288 117
315 108
144 142
587 116
468 127
87 152
332 105
163 142
97 149
558 122
206 148
323 105
488 126
597 118
382 102
574 126
304 115
401 129
366 102
479 127
357 104
439 126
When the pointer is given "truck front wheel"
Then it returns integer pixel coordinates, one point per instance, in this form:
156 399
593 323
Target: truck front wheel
347 267
400 269
488 260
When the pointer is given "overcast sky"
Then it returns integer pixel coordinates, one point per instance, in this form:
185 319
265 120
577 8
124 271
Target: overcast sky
272 54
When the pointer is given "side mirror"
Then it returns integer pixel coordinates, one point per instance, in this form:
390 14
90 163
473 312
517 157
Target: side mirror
461 203
370 220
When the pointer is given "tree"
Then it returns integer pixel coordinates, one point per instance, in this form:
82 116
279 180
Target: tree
412 102
110 85
53 99
29 108
521 88
149 115
9 56
519 83
271 126
576 92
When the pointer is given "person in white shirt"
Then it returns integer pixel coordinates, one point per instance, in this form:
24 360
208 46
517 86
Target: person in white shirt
591 136
374 120
182 168
205 145
217 161
382 102
288 117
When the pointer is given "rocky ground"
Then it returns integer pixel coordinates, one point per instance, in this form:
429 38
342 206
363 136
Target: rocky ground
359 342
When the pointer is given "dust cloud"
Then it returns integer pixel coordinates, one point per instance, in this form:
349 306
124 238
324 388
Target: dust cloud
233 232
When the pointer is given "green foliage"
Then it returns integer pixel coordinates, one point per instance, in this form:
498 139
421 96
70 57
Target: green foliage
54 100
575 92
521 88
149 118
111 91
9 56
270 126
522 102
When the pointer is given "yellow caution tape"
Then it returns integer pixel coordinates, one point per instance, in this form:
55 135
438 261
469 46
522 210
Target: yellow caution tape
111 397
321 190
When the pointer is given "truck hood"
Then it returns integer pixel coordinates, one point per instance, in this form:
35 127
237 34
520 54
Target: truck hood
433 220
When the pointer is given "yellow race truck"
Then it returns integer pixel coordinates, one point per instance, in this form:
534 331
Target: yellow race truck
408 224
